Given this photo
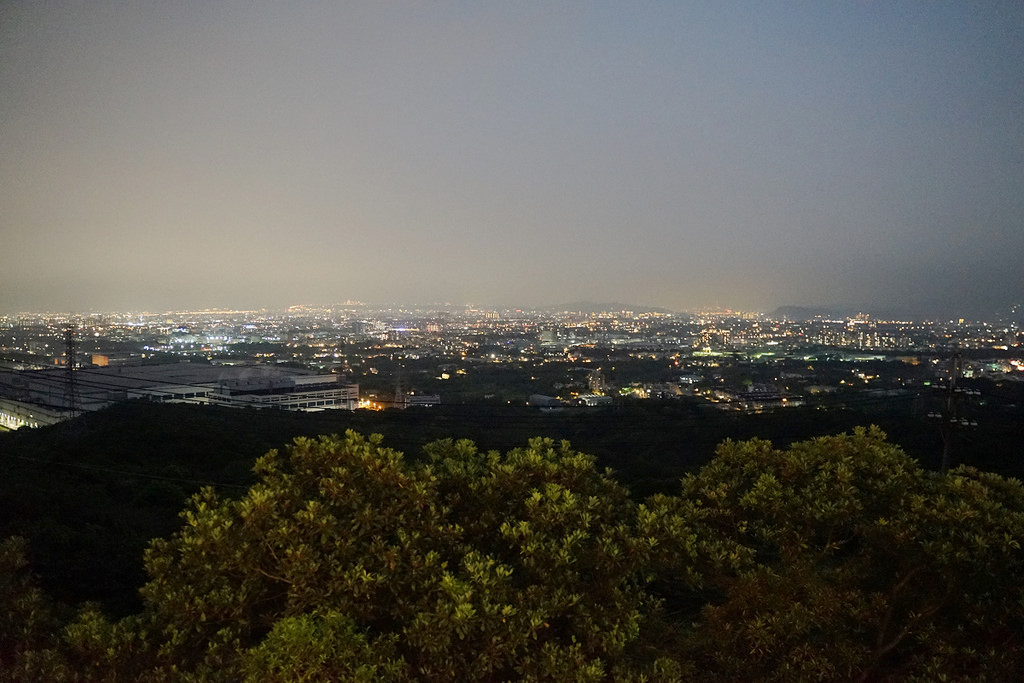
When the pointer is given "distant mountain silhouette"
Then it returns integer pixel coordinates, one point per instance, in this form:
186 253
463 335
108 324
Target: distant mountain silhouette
803 312
811 312
598 307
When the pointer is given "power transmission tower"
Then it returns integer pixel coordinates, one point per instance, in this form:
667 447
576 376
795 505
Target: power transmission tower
952 420
951 410
70 386
399 401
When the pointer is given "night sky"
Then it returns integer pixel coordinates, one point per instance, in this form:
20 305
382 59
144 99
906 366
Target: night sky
169 155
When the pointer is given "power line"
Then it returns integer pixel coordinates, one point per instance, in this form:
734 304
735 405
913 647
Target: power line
826 402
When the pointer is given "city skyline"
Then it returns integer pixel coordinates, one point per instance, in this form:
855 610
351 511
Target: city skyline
174 156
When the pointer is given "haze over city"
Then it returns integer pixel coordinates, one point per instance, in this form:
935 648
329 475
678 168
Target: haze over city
746 155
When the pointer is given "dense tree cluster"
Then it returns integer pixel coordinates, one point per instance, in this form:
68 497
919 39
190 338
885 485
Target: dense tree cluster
838 558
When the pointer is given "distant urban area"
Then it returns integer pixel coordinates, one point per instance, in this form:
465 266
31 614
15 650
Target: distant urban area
354 356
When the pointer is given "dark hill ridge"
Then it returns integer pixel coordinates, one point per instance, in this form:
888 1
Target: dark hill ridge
89 495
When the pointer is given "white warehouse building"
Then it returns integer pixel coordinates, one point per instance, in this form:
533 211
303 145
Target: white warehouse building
296 392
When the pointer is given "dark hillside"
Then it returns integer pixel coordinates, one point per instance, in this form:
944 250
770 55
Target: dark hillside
89 495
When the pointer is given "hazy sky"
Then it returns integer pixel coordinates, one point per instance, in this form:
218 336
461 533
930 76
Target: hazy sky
158 155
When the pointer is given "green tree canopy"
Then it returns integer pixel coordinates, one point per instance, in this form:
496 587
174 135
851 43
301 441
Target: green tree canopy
347 561
864 566
834 559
